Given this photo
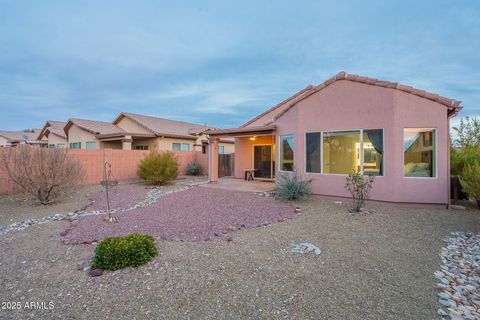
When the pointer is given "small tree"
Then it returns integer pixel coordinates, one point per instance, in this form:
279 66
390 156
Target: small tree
292 186
467 133
44 173
158 167
359 186
470 179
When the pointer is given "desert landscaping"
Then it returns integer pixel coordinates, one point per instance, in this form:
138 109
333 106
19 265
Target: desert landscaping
237 265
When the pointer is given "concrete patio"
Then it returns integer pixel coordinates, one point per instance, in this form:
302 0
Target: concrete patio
241 185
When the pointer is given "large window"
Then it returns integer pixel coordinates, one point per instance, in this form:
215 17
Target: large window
419 152
141 147
221 149
312 159
180 146
75 145
91 145
339 152
286 152
345 152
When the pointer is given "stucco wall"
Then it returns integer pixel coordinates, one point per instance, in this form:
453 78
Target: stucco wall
244 153
76 134
228 147
54 139
3 142
347 105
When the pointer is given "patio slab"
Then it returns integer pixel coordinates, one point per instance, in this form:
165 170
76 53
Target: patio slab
241 185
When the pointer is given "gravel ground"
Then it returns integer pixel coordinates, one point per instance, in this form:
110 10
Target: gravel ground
378 266
119 196
194 214
15 209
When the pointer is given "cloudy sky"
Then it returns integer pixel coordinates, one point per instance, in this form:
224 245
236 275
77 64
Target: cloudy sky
222 62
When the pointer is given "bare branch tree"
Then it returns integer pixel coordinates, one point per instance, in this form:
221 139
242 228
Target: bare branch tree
45 173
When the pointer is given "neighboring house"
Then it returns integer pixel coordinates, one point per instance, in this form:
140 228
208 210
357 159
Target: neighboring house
349 124
54 134
152 133
91 134
15 138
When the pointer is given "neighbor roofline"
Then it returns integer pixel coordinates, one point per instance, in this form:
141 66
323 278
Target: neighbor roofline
126 115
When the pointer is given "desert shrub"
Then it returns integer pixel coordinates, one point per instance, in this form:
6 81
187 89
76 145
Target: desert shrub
194 169
119 252
158 167
44 173
459 158
292 186
470 179
359 187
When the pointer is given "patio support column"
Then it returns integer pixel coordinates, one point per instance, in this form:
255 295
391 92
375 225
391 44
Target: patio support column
213 160
127 143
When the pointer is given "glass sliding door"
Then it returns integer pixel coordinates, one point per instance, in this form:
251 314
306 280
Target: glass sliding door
262 161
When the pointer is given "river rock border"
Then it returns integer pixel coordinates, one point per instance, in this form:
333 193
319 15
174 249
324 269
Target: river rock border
152 196
459 277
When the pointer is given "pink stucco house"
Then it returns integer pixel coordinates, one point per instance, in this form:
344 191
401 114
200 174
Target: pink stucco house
351 123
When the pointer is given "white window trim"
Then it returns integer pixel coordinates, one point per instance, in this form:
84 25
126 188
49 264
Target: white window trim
435 156
361 148
280 151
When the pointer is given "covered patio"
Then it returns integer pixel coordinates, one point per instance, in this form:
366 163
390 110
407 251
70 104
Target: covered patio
255 153
233 184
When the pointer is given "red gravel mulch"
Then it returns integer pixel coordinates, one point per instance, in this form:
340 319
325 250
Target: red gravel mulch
119 198
195 214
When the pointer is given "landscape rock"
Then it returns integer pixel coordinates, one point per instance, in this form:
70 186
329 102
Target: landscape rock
306 247
96 272
460 276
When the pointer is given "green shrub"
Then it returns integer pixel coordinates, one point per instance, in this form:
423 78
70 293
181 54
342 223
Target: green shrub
459 158
470 179
158 167
292 186
194 169
119 252
359 187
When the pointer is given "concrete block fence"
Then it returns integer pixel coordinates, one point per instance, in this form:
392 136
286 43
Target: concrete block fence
124 164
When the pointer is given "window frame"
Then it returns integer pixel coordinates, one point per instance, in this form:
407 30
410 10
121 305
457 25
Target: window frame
361 158
90 142
74 143
185 144
435 152
280 152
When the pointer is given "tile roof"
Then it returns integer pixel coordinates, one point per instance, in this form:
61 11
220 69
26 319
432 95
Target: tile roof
165 127
20 135
54 127
93 126
452 105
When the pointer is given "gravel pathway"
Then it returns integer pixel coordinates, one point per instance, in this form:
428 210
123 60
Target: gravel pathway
192 215
460 277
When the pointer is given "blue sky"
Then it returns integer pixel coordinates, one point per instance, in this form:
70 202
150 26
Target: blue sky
222 62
